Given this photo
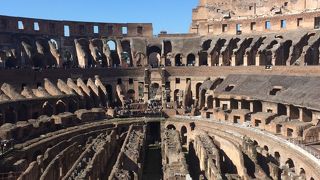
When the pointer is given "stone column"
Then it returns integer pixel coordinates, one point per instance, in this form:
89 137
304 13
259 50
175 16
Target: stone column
233 60
245 60
197 61
209 60
257 59
220 60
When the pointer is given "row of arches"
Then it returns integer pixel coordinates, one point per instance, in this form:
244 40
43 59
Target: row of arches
283 162
24 112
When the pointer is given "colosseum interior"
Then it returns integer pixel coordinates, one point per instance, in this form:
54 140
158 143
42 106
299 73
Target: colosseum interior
235 98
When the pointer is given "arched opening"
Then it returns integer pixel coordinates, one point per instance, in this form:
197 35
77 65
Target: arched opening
154 91
215 53
283 53
10 115
23 113
131 94
294 112
178 60
289 163
277 157
257 106
312 55
126 54
191 60
73 106
114 52
154 59
302 172
266 148
67 58
109 94
282 109
171 127
184 137
206 45
60 107
198 85
167 50
112 45
202 97
54 43
210 102
125 58
47 109
154 55
203 59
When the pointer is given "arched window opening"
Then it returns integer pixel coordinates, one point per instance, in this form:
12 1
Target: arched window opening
191 60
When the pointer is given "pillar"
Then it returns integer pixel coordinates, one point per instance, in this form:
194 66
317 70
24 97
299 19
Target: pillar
257 59
209 60
245 60
233 60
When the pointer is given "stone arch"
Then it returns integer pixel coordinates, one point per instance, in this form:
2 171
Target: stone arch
206 45
290 164
191 60
10 115
47 109
154 56
302 172
203 58
23 112
109 93
126 55
277 157
210 102
184 137
171 126
202 97
68 58
283 53
215 53
112 44
257 106
178 60
198 85
60 107
54 43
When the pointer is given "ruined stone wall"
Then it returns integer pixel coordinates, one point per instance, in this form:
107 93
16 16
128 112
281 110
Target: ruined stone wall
236 17
56 28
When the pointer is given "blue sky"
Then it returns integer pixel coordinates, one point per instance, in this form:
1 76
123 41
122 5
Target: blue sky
173 16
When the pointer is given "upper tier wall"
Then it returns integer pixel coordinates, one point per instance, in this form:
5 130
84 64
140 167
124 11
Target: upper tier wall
72 28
